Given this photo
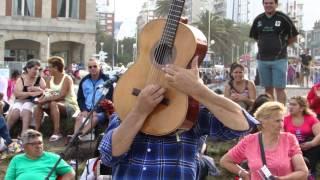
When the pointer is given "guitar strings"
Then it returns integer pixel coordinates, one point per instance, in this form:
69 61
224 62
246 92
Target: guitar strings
163 52
161 49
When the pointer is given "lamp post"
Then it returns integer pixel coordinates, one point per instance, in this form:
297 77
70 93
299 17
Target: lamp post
101 46
122 49
134 51
232 52
113 29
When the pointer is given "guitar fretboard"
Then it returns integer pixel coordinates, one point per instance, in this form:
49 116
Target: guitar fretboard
172 22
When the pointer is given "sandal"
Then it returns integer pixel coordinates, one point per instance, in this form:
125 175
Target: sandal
55 137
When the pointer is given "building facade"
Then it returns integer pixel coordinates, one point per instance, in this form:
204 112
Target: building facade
314 43
41 28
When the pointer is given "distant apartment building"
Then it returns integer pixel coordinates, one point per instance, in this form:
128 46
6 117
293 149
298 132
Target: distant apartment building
236 10
146 14
106 22
294 9
314 43
41 28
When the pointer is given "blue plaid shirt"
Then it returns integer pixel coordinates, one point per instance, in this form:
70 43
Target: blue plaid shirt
163 157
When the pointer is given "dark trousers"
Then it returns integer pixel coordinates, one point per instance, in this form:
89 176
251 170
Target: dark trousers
4 133
313 156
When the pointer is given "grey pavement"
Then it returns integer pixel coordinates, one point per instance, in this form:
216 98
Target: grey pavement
290 89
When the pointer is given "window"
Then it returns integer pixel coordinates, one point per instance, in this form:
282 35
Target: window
68 8
24 7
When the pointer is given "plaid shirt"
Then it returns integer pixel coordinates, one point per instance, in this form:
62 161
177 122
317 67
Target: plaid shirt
163 157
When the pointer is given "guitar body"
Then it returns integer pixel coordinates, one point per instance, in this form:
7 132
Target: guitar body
180 111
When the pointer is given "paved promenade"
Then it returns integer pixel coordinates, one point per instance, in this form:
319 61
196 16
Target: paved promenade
291 90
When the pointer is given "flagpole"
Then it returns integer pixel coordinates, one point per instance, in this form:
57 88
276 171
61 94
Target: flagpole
113 29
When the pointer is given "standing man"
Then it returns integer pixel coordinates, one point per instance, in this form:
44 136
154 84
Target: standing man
88 95
305 67
274 31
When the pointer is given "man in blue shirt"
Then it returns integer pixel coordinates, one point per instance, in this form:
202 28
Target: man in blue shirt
89 94
134 155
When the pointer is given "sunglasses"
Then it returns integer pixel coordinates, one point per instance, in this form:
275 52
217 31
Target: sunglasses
94 66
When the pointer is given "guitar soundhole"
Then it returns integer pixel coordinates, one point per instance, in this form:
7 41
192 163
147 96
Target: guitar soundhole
163 54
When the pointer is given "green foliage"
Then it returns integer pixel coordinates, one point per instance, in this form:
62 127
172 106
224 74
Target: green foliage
163 7
124 56
226 35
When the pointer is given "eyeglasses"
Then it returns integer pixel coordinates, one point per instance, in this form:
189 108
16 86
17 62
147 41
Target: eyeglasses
94 66
35 143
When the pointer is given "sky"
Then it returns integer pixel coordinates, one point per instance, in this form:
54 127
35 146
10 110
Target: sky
127 11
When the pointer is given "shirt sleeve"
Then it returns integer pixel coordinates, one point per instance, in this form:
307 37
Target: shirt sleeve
237 153
11 171
105 147
63 167
254 31
294 145
291 30
210 125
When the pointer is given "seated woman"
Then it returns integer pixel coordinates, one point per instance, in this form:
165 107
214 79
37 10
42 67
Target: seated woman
261 99
283 155
36 163
313 98
27 88
62 102
302 122
238 89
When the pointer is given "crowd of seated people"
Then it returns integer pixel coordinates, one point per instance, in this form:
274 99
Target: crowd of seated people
56 96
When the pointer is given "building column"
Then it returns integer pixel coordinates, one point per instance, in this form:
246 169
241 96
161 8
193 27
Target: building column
44 48
2 48
89 50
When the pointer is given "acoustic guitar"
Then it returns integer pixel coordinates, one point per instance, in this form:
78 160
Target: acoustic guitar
162 41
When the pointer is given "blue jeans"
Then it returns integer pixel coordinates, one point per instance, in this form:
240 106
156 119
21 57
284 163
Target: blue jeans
273 73
4 132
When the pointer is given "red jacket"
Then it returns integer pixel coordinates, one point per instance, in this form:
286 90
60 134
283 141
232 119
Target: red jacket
313 99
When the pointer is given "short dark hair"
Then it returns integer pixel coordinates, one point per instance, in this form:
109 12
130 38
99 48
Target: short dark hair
31 63
57 62
276 1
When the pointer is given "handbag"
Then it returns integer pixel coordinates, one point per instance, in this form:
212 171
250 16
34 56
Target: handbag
264 162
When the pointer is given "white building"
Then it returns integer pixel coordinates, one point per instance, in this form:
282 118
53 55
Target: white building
40 28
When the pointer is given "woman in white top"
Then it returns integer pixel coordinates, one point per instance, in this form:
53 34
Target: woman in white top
62 100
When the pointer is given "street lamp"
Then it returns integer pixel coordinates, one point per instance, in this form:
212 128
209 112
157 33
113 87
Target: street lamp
134 51
101 46
122 49
232 52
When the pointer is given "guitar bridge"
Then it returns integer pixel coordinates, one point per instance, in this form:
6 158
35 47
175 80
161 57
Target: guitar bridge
136 92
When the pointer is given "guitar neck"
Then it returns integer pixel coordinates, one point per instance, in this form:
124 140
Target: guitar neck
172 22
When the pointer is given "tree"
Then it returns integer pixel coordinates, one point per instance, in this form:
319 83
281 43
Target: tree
126 54
163 7
225 33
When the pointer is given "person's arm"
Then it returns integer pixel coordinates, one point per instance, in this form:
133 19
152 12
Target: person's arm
252 93
189 82
236 154
18 91
315 141
124 134
80 96
300 170
234 168
68 176
11 170
227 91
65 88
292 40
